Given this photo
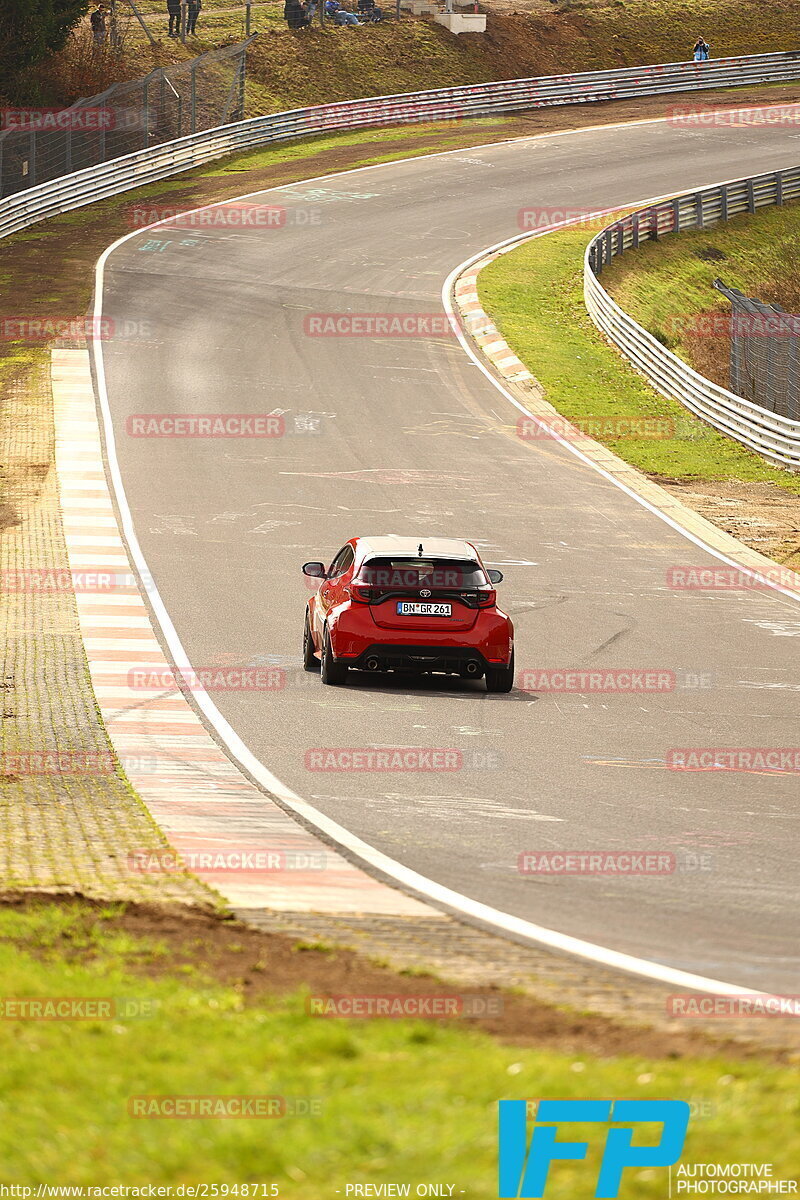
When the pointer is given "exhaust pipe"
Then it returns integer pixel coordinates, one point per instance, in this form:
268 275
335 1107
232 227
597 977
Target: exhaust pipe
372 663
473 668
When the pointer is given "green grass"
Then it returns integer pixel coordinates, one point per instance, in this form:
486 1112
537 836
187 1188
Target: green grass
401 1101
535 296
672 278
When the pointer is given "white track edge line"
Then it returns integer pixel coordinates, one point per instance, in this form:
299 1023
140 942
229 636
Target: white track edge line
404 876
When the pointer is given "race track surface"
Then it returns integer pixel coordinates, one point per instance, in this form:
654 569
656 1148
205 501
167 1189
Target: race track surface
413 439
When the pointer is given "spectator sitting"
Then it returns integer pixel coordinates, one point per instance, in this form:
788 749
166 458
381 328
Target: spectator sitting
369 11
340 15
701 50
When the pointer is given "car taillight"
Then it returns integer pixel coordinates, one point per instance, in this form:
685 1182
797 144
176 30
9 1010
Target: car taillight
360 592
487 599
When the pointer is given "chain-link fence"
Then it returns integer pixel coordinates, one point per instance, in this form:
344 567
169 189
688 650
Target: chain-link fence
39 144
765 353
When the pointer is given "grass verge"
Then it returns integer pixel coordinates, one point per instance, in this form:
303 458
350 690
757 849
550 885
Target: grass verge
667 285
393 1101
535 296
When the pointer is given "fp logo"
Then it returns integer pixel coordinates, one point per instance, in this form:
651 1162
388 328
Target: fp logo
523 1172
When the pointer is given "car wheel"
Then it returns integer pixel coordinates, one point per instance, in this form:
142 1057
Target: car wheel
310 660
500 679
332 671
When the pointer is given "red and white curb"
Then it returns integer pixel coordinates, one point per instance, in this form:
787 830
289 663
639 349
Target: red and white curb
483 330
225 830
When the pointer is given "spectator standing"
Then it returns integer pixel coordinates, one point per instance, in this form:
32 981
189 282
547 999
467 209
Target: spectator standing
701 50
295 14
174 10
192 13
98 23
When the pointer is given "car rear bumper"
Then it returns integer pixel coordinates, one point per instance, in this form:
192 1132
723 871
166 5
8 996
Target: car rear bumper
382 656
355 639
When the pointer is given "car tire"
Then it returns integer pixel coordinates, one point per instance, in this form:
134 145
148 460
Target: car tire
332 672
310 660
500 679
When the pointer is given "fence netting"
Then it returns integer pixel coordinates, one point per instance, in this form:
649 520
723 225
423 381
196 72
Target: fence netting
765 353
183 98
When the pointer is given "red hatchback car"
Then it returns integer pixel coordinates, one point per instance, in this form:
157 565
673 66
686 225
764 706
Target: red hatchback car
398 604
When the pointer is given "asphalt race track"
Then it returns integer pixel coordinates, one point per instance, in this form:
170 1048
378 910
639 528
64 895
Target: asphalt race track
411 438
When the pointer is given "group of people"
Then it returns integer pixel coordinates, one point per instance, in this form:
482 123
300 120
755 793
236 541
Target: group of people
192 13
299 14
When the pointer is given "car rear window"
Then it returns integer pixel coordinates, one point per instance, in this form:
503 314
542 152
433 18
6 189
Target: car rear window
422 573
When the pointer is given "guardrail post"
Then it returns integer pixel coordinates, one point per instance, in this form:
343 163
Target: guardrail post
751 196
779 188
723 202
653 213
676 215
608 249
698 217
242 69
635 231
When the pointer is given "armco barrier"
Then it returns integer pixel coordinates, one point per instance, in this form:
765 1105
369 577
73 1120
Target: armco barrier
146 166
775 437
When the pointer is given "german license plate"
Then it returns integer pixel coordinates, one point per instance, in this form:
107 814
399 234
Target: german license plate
419 608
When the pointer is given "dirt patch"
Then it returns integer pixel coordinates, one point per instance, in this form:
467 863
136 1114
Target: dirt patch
761 515
261 965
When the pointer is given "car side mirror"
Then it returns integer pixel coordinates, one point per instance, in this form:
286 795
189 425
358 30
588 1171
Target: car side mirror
495 576
315 569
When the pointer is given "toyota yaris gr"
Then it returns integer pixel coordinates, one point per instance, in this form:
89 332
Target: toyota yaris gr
401 604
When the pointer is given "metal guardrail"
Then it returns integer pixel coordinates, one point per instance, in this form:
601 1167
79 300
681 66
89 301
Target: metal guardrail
770 434
484 99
